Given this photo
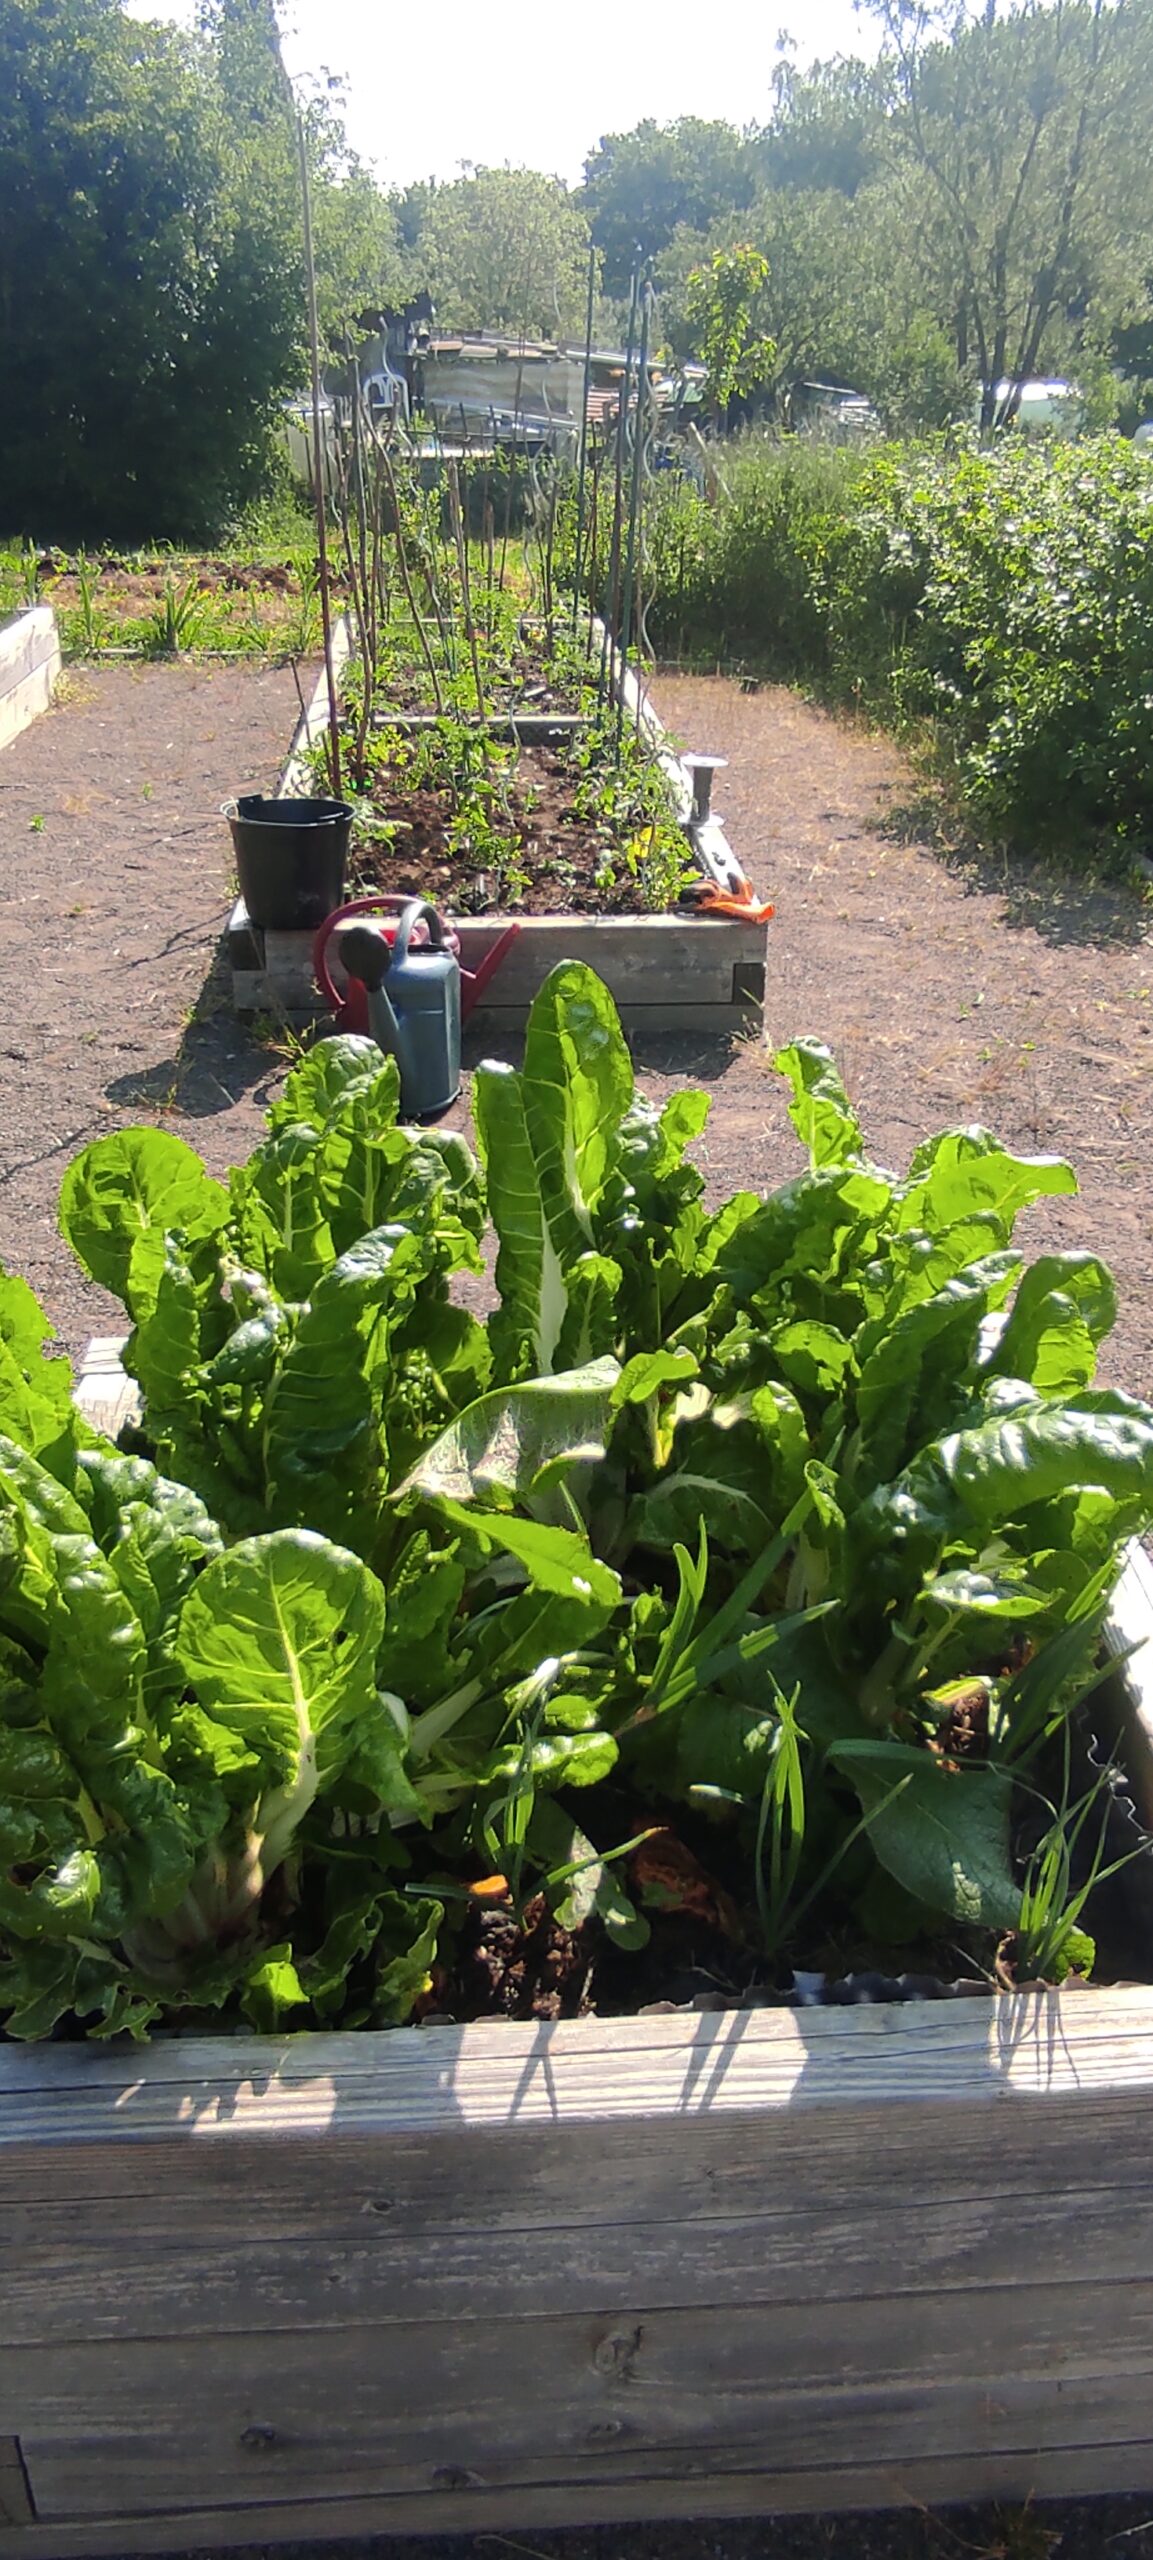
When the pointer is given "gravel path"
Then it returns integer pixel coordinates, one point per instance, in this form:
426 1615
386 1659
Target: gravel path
950 987
115 883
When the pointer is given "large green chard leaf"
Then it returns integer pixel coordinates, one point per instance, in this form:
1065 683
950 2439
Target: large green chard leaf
812 1230
134 1184
942 1832
337 1072
131 1844
556 1560
278 1639
519 1440
820 1111
967 1172
1065 1306
322 1411
1004 1468
918 1371
549 1139
36 1407
156 1536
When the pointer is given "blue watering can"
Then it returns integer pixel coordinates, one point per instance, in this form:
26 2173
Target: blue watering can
413 1004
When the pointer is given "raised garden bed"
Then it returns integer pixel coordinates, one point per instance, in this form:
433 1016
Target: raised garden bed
502 2277
778 2256
29 669
552 845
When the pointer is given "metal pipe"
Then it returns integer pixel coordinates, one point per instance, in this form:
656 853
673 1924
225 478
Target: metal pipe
582 463
613 598
318 477
625 633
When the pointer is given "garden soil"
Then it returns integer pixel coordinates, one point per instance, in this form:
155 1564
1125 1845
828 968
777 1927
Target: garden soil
952 985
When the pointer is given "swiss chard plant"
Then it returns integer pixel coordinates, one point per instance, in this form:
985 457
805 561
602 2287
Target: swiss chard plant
787 1527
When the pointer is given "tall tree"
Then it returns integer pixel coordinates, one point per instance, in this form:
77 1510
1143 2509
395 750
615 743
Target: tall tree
504 249
642 187
827 131
1025 124
148 290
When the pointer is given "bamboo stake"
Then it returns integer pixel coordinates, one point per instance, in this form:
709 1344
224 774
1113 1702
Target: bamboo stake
318 473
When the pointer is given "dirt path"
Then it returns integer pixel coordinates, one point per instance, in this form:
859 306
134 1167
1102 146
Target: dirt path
115 880
949 988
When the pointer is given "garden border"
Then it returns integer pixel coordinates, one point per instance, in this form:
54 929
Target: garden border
30 667
754 2262
676 972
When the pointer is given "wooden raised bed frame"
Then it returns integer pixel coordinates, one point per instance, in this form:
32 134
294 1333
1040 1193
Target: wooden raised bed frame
678 972
29 669
512 2276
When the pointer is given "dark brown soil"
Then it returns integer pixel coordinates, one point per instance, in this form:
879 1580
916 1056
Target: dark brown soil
554 864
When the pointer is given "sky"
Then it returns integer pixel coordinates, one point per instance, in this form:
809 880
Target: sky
431 88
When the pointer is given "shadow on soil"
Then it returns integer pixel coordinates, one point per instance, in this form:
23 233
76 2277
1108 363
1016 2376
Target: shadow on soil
700 1059
220 1060
1063 904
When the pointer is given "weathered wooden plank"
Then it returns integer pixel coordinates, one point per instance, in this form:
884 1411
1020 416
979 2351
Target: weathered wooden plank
791 2444
15 2503
67 2275
568 2175
735 1018
1091 2046
398 2390
29 669
106 1395
673 961
296 781
28 642
24 702
461 2505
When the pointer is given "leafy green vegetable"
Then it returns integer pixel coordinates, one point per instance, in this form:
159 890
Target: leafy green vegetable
796 1519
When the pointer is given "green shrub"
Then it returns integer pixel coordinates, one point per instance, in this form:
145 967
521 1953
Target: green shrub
1002 597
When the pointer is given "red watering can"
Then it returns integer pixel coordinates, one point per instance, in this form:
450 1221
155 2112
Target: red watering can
351 1009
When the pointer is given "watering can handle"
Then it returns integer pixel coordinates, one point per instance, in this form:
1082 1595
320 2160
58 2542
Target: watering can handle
416 908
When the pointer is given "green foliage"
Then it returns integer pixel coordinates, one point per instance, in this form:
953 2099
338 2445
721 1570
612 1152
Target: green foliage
722 310
148 280
1001 599
151 270
505 249
642 187
736 1510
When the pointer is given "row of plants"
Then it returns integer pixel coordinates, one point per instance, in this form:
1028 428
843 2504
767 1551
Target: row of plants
997 601
162 604
782 1532
468 633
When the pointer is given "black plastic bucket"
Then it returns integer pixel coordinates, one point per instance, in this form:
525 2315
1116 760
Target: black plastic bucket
290 858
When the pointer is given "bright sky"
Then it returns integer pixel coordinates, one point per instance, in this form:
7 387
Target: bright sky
429 87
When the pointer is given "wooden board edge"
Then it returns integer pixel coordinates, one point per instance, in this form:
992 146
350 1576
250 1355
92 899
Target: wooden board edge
16 2508
294 782
25 701
1129 1639
464 2506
